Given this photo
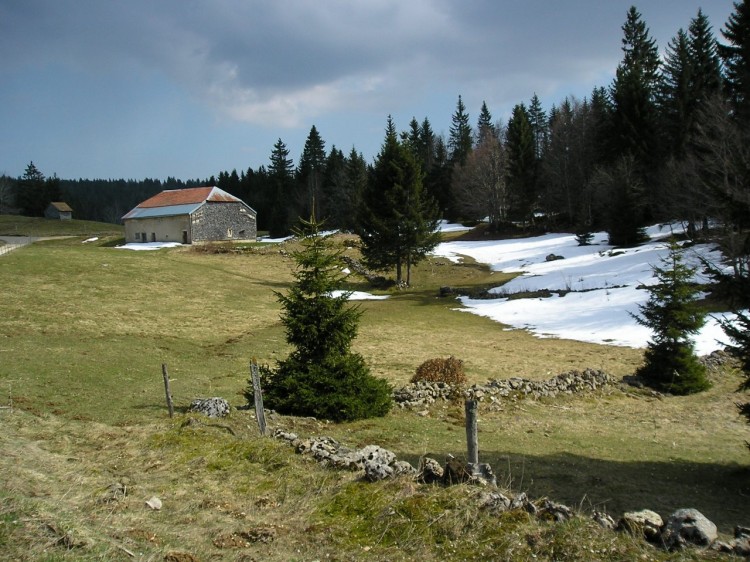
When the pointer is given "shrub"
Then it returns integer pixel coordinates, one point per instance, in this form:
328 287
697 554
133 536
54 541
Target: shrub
450 370
322 377
584 238
673 316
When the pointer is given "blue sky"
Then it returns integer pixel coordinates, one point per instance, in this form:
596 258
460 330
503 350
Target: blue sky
188 88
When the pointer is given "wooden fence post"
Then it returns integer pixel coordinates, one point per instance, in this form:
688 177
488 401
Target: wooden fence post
166 389
472 442
258 397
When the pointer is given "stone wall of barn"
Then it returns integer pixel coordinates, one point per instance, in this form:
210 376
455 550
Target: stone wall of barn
158 229
224 221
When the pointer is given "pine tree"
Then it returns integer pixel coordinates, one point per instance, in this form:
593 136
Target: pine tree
519 141
673 316
690 76
736 56
426 145
329 205
633 93
349 198
30 192
282 181
485 127
411 139
397 219
539 126
704 55
322 377
438 180
460 137
310 174
675 93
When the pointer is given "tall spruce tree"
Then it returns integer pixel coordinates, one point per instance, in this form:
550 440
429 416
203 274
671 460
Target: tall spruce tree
736 57
310 173
282 183
704 54
349 198
31 195
397 219
460 135
426 145
485 127
519 141
690 76
672 314
439 178
675 93
333 183
322 377
411 139
633 93
634 135
539 126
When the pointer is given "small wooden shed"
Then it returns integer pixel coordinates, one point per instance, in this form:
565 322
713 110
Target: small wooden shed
58 210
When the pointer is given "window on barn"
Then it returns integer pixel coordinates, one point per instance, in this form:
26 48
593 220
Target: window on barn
229 232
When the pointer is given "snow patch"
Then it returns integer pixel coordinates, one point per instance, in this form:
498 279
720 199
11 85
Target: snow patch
148 245
601 286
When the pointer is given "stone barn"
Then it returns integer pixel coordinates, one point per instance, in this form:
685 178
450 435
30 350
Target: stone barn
58 210
199 214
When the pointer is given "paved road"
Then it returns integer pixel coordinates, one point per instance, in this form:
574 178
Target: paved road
15 242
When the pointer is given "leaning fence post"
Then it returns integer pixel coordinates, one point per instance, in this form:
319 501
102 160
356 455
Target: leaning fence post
166 389
472 442
258 397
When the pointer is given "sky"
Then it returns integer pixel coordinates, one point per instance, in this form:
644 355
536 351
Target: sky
189 88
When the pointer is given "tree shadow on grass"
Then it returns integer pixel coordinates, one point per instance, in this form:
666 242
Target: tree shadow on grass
720 491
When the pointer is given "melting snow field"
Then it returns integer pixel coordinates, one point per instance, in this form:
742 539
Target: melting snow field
148 245
604 282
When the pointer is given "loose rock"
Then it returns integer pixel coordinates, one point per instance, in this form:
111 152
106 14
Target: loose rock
430 471
212 407
688 526
154 503
646 523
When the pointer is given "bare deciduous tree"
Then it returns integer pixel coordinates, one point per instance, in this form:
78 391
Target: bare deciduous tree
480 186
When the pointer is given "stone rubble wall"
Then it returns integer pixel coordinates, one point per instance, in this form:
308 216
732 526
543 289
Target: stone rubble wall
422 394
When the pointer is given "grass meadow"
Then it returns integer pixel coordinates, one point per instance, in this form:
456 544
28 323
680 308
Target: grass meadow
85 328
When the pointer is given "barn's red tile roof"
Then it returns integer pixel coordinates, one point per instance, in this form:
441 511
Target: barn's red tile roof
188 196
174 202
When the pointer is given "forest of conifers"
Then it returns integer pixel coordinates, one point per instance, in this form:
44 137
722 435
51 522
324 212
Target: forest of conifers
667 139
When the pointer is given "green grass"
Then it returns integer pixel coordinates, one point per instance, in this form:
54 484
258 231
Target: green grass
84 329
16 225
